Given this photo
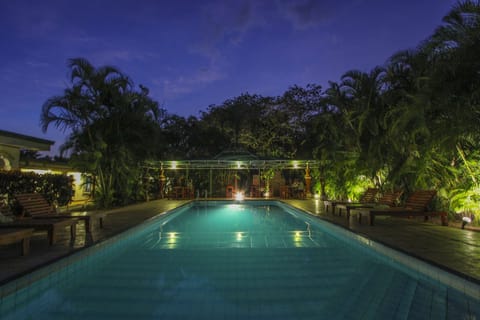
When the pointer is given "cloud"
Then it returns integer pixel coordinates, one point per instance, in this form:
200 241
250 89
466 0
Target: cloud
221 26
305 14
186 84
109 56
29 72
29 19
37 63
225 23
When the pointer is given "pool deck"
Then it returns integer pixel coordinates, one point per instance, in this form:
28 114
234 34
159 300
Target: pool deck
450 247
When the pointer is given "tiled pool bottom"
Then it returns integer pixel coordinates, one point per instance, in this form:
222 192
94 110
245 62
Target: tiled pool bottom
286 274
241 284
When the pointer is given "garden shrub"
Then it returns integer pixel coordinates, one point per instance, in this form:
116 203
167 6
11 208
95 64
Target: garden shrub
56 188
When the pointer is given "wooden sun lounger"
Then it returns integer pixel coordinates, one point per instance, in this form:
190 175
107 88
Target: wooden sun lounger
405 213
14 235
367 197
415 206
388 199
51 226
35 205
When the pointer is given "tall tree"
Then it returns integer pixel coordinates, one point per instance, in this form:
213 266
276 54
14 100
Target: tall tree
455 90
365 110
299 105
112 126
240 120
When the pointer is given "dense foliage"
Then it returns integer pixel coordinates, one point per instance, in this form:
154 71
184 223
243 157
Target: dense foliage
56 188
412 122
113 128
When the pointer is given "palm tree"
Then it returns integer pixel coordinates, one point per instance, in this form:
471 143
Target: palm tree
455 48
455 90
86 101
407 103
432 116
106 119
364 110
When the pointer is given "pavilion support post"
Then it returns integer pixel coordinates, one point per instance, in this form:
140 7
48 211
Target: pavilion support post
162 183
308 181
236 182
211 183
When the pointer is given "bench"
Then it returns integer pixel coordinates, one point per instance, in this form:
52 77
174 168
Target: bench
14 235
35 205
416 205
387 200
368 197
51 226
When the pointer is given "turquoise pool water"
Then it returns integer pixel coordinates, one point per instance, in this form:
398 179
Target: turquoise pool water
226 260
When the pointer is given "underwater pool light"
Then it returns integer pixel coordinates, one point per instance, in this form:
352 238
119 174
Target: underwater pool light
297 236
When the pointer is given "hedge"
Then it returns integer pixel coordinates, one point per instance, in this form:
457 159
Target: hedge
56 188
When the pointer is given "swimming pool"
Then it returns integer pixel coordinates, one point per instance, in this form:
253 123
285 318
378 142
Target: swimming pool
248 260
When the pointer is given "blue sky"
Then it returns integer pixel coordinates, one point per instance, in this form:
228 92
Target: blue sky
192 54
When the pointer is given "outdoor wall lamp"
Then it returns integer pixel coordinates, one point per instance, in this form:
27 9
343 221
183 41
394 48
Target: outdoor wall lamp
465 220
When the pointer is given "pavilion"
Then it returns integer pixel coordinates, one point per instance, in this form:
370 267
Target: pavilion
235 160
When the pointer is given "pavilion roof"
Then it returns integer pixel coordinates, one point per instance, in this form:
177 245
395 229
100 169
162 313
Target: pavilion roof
236 154
238 164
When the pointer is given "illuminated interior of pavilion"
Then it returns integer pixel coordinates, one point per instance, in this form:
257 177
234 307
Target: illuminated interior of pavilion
257 175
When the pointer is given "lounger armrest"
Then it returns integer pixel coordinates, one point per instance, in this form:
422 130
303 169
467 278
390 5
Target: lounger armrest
404 212
367 209
395 211
360 205
354 205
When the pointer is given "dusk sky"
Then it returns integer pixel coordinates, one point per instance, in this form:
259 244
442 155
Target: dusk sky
192 54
